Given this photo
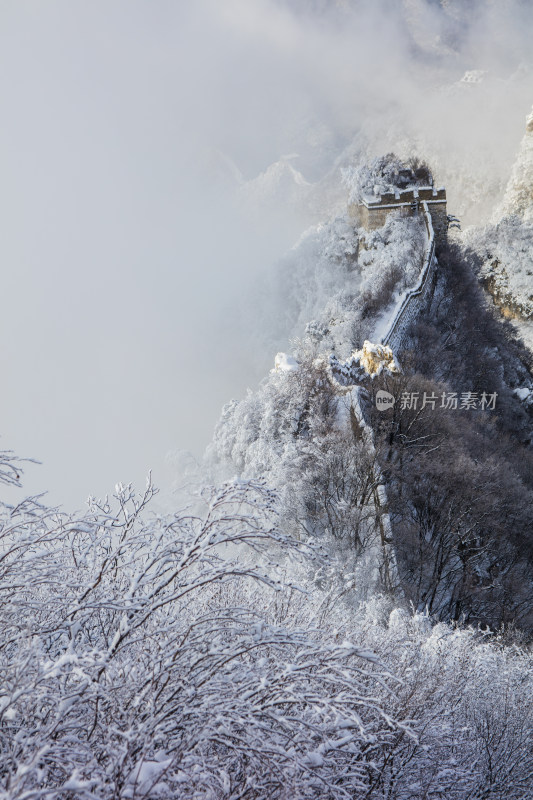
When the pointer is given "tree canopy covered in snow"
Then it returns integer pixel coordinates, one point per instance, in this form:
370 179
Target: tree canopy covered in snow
385 174
144 656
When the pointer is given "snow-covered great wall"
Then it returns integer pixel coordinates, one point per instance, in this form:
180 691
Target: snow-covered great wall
417 299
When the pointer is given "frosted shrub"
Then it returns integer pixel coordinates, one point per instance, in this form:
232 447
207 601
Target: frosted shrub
136 660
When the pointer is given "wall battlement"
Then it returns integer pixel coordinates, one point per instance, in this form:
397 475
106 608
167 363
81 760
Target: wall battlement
372 211
402 196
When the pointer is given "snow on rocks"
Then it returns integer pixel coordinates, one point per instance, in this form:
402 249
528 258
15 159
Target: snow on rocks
525 394
285 363
375 358
371 360
518 197
506 252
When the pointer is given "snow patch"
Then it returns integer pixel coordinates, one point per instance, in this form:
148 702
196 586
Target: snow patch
525 394
285 363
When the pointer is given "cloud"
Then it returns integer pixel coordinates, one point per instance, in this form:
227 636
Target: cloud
127 246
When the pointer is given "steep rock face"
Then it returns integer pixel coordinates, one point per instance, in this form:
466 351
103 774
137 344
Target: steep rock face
505 247
518 198
506 254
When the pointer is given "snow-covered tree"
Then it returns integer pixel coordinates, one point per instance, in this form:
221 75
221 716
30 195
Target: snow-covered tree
136 660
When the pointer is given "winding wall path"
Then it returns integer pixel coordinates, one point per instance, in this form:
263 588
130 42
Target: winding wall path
417 299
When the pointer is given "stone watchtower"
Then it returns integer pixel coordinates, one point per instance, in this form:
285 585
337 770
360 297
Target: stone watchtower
372 209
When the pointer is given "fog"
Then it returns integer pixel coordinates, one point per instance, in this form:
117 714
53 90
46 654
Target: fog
138 210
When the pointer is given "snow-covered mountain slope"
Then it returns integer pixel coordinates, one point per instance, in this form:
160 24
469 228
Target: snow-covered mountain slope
281 186
303 430
334 283
505 247
310 186
506 253
518 198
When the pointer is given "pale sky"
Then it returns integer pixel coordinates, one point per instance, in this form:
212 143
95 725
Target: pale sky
117 260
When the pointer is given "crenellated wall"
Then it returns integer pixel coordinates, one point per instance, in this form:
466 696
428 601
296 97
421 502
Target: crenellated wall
372 211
